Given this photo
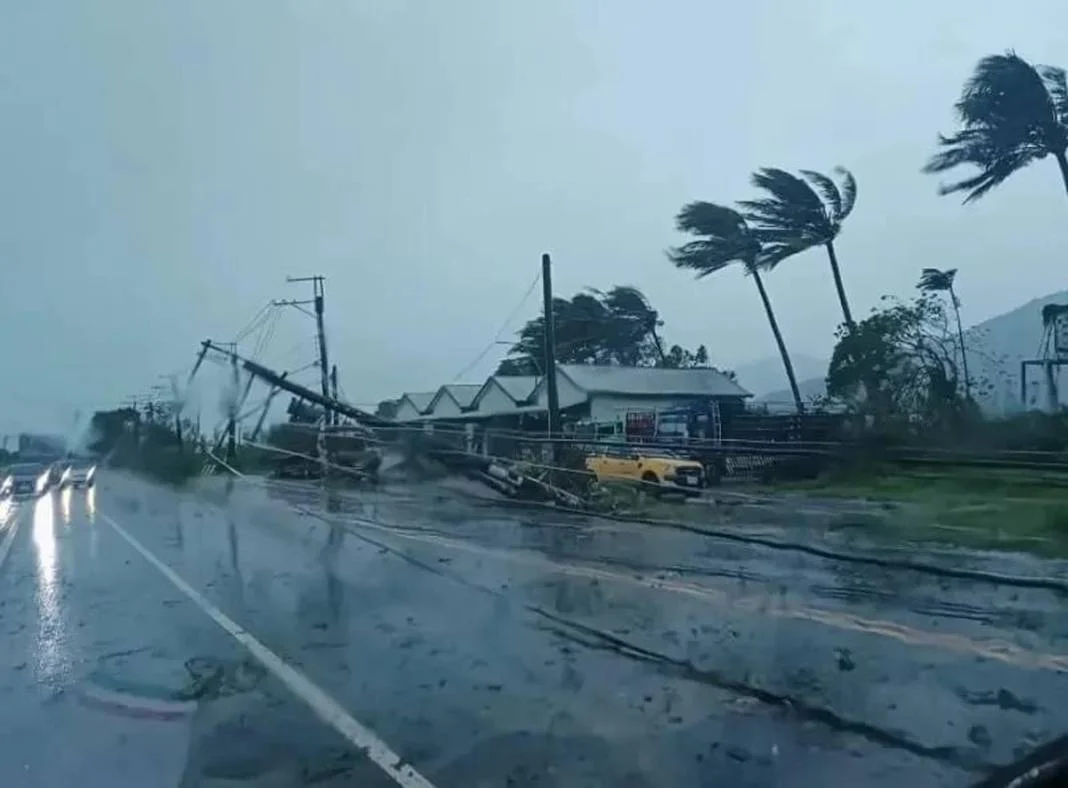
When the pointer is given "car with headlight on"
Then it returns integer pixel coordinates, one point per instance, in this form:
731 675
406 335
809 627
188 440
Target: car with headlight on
30 479
78 474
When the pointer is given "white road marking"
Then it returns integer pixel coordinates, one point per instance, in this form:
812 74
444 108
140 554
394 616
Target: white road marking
329 710
9 537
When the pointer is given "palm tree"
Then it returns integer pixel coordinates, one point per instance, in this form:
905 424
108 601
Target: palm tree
932 280
801 212
1011 113
630 309
724 237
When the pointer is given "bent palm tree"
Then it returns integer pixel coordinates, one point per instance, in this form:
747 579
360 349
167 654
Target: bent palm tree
724 237
802 212
932 280
1011 114
632 312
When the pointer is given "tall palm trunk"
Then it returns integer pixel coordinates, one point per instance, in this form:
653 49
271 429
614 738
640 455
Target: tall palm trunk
963 349
1062 163
787 364
658 345
848 315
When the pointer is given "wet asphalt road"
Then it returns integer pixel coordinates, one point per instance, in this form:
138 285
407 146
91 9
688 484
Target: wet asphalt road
494 648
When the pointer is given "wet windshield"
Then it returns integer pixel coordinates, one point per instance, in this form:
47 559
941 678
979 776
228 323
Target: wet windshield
549 394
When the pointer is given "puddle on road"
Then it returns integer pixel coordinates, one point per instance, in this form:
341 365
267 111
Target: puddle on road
235 727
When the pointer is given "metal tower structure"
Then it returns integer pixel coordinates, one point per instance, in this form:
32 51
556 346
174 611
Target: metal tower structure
1052 355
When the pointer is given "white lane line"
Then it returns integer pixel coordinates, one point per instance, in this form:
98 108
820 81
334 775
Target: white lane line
329 710
9 537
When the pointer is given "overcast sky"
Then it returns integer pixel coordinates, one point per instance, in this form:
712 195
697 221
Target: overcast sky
167 164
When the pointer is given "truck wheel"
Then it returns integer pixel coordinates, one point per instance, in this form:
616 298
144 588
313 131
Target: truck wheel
651 484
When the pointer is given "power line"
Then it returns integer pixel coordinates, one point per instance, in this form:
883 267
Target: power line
254 323
267 334
501 330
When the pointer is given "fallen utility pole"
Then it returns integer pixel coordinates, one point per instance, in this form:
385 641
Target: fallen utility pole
280 381
266 408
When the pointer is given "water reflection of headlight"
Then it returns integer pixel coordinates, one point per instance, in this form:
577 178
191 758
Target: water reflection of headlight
90 503
44 539
64 501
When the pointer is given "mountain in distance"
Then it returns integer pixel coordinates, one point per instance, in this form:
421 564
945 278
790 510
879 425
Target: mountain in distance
995 349
766 375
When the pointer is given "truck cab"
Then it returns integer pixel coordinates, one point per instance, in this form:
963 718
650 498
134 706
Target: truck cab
660 471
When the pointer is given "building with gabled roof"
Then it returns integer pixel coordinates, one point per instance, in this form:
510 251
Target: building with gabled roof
453 400
602 393
413 405
502 394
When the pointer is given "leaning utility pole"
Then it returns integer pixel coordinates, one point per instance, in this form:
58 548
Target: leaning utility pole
324 366
550 352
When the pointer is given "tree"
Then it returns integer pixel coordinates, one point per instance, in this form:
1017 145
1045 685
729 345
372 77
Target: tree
898 366
933 280
800 213
387 408
625 303
1011 113
678 357
594 327
723 238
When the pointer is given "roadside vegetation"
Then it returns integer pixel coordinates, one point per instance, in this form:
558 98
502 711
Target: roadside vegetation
903 381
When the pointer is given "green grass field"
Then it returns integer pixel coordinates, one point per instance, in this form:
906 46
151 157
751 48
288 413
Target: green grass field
982 508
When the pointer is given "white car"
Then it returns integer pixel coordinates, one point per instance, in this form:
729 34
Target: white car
79 474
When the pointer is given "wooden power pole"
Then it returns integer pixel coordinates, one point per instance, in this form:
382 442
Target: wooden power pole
550 353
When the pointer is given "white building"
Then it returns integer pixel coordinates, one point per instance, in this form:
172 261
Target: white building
414 405
599 394
604 394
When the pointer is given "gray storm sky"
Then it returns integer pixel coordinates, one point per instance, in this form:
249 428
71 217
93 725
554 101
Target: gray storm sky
167 164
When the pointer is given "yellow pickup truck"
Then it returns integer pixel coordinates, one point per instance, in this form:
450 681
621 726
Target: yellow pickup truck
631 463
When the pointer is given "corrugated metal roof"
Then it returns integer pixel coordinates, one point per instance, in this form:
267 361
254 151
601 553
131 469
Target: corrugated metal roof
421 399
478 415
652 381
518 387
463 393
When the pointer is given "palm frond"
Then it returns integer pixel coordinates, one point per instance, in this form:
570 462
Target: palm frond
828 191
1011 113
933 280
774 253
849 192
792 208
995 163
1057 86
709 218
723 237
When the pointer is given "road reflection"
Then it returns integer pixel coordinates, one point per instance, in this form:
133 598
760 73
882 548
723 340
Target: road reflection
90 503
50 629
64 502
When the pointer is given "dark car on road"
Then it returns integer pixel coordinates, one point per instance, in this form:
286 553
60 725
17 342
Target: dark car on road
30 479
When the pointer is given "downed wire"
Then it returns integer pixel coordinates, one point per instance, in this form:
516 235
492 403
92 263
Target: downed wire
958 573
593 638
